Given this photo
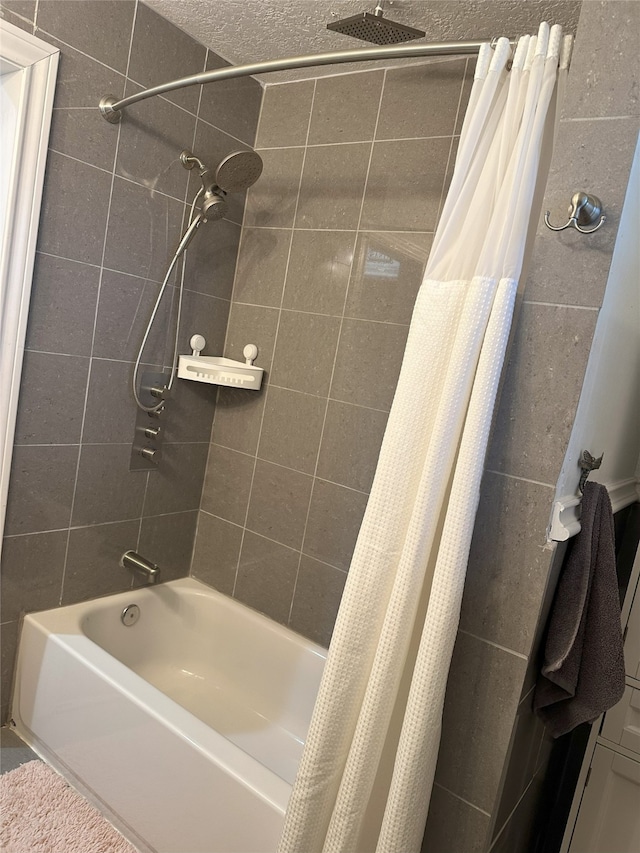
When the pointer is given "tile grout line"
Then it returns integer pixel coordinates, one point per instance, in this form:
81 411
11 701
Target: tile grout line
511 814
337 347
275 337
95 322
462 799
516 477
357 142
494 645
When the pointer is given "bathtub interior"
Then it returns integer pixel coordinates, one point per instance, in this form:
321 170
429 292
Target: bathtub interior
248 678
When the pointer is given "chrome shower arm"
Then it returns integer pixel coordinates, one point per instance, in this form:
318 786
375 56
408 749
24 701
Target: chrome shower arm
111 108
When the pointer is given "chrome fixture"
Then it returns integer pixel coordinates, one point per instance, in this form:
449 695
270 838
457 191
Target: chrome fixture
140 566
130 615
236 173
111 107
375 28
583 210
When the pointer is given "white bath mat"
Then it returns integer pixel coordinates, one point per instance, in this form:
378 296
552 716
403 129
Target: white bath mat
40 813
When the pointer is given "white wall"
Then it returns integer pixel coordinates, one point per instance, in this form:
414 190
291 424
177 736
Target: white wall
608 415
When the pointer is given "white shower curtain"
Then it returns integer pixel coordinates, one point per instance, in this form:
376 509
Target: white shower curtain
365 777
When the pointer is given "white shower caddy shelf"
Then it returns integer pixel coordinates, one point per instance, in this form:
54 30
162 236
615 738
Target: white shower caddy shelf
216 370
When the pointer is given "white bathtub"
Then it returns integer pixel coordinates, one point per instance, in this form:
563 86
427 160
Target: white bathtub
186 727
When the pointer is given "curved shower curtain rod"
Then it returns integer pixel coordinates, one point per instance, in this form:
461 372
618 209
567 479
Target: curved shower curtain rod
111 108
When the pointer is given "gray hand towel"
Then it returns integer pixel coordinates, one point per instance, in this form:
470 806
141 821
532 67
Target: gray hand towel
583 671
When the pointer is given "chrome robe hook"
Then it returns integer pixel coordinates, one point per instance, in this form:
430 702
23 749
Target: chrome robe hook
583 210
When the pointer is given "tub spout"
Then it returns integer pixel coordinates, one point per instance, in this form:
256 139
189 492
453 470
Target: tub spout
140 566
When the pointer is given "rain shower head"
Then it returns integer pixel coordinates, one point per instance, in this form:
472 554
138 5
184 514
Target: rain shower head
375 28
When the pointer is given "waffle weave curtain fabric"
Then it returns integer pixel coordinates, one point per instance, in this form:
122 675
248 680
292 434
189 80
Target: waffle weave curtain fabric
367 769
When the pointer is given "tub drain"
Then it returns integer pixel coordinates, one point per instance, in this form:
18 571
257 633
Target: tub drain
130 615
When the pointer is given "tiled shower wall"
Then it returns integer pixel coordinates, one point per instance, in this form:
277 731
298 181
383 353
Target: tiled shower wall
335 238
113 209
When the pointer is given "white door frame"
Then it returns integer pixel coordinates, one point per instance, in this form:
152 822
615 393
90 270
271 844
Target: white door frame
36 63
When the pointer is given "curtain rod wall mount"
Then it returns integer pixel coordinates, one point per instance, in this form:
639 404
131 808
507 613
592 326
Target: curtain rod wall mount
111 107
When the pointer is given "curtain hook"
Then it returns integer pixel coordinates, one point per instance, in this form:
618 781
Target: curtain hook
583 210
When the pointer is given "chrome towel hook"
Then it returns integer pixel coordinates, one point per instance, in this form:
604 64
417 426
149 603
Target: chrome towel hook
583 210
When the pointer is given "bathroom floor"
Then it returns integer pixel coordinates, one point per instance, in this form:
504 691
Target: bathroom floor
13 750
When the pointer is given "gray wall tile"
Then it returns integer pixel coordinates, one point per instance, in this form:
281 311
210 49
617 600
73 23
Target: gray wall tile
421 100
345 108
216 553
605 84
106 490
238 419
156 133
334 520
250 325
80 133
51 404
101 574
144 228
124 308
316 600
387 274
204 315
262 265
533 425
291 429
284 119
81 80
453 825
42 480
177 484
305 352
508 563
27 26
318 272
167 540
271 201
32 568
351 444
488 680
404 187
25 9
160 51
101 30
74 210
189 412
377 348
63 306
211 259
110 412
266 576
227 484
279 503
232 104
332 184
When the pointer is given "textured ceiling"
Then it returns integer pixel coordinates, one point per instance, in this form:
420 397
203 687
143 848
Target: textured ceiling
245 31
